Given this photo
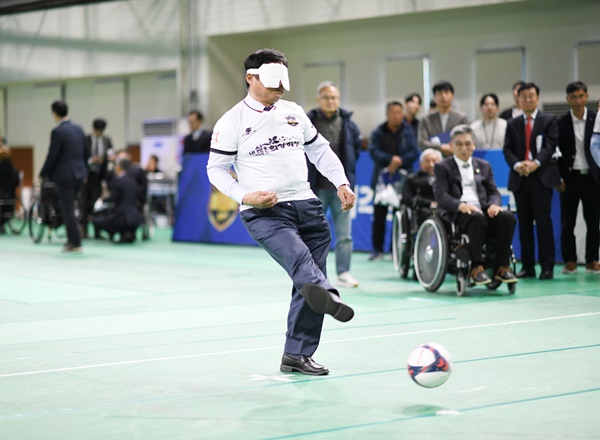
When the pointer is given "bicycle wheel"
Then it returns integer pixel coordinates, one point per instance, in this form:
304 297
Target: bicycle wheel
36 222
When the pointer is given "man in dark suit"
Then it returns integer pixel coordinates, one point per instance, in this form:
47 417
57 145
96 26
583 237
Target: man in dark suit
99 149
125 217
198 141
580 180
66 166
466 194
434 128
515 110
529 148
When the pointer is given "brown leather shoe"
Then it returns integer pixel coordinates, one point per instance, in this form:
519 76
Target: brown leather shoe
505 275
570 268
593 267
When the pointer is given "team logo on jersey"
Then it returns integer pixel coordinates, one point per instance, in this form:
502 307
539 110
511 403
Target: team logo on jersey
247 132
222 210
291 120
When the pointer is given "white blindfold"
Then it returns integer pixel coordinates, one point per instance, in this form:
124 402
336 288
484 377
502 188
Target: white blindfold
272 75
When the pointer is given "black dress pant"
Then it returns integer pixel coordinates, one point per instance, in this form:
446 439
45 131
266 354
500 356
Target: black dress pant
479 227
67 194
580 187
90 192
379 220
534 202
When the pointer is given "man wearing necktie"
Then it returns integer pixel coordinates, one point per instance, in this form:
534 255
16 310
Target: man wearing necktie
466 194
99 148
529 148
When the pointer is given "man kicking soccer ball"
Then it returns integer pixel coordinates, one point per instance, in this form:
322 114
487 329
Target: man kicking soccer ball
265 139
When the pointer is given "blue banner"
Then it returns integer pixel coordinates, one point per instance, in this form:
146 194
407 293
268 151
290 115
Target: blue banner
205 215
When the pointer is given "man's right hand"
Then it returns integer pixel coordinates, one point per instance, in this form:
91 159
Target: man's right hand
260 199
395 163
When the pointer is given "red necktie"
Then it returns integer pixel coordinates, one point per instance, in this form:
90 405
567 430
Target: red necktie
527 137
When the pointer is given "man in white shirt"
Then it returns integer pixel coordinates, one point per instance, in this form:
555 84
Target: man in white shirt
466 194
265 139
579 180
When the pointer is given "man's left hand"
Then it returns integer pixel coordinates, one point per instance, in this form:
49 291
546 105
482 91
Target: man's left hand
347 197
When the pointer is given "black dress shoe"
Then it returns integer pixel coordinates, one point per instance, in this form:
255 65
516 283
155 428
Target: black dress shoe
505 275
301 364
323 301
546 275
479 277
526 273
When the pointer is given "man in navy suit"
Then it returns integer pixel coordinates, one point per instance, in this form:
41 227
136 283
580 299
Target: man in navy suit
466 194
529 148
66 166
580 180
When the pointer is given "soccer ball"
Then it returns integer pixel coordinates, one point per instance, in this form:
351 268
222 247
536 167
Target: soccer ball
429 365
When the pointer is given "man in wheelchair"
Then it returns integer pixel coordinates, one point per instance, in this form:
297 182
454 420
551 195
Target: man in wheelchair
467 196
418 189
123 216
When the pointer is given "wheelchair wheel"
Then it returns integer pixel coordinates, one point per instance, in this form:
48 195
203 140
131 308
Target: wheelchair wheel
401 249
461 284
431 254
18 220
512 288
36 222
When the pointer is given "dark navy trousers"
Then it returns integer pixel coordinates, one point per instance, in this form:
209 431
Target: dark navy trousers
297 235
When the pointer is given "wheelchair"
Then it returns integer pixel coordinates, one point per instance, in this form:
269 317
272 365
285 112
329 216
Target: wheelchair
45 213
404 231
436 253
13 213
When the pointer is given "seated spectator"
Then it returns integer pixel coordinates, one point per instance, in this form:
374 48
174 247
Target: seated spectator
418 189
152 165
125 217
466 193
9 181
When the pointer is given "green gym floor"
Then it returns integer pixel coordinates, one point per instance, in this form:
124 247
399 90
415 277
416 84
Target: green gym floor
162 340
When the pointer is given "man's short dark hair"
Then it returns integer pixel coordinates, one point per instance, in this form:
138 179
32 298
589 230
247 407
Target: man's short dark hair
518 84
125 164
60 108
198 115
529 85
264 56
391 104
411 96
99 124
576 85
489 95
441 86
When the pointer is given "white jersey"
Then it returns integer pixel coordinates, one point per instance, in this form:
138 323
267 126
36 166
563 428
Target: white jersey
266 149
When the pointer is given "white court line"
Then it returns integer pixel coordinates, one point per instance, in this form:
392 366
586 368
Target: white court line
247 350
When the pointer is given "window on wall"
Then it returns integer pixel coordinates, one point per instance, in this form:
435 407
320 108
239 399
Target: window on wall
588 67
109 104
496 71
313 74
405 75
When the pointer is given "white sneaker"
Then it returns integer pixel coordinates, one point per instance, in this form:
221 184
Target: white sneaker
346 280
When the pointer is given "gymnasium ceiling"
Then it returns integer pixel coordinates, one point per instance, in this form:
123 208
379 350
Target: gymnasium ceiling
19 6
